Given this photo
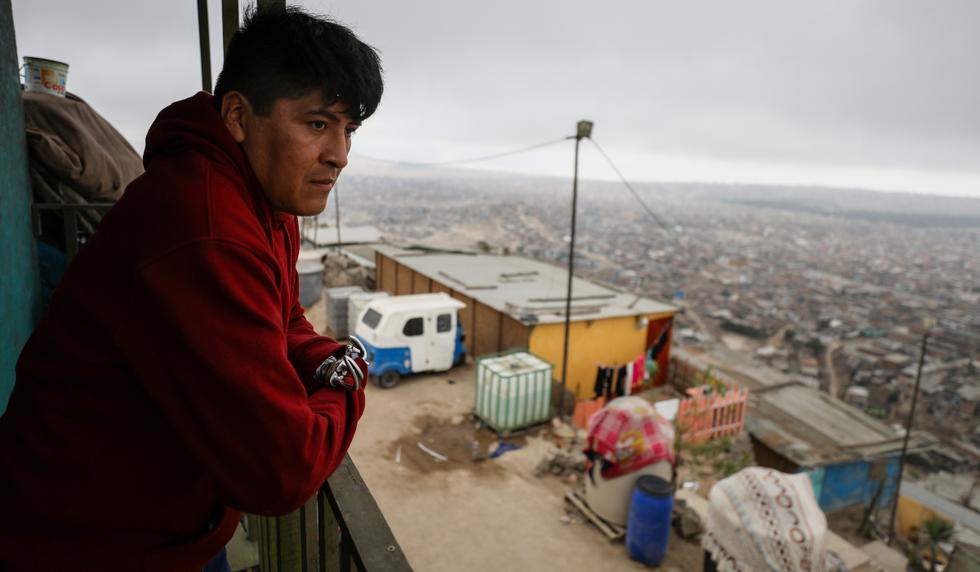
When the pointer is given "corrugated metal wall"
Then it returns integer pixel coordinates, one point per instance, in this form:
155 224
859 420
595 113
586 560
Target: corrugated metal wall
20 298
487 331
849 484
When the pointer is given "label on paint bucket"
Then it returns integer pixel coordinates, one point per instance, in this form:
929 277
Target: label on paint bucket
45 76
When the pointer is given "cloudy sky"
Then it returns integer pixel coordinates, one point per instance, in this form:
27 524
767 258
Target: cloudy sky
881 94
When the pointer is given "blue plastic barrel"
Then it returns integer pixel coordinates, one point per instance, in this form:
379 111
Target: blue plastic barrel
648 527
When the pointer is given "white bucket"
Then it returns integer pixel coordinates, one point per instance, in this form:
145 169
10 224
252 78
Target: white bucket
45 76
610 498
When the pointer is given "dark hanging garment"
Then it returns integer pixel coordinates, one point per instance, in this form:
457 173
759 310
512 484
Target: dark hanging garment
608 384
597 387
621 382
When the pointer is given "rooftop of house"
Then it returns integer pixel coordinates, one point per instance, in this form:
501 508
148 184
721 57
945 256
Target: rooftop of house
528 290
812 428
969 392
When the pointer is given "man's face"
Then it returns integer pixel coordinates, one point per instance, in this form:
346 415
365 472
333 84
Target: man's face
297 151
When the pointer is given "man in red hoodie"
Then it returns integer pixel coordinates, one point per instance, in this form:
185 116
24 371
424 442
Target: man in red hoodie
174 382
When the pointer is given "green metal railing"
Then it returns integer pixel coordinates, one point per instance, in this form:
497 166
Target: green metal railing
340 529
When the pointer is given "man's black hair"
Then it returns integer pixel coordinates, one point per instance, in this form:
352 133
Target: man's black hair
286 52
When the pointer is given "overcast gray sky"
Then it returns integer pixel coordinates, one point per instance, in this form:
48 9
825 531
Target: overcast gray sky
881 94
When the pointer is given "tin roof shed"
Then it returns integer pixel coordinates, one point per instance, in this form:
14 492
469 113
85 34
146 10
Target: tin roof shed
811 428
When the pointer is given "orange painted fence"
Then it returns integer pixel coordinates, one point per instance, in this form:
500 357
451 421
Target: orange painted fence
708 414
585 409
716 406
703 416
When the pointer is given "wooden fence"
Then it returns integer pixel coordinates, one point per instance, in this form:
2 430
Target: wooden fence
585 409
709 414
715 406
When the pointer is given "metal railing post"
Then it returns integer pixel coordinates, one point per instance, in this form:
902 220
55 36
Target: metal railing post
229 21
341 528
205 41
71 234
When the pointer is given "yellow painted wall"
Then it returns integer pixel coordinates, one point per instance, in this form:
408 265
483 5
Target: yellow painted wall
912 515
609 341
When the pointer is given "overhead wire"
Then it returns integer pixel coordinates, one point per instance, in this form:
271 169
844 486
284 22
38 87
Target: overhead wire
469 159
636 195
622 178
666 228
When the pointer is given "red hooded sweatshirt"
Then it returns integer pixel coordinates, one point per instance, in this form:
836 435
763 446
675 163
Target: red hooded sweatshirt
168 387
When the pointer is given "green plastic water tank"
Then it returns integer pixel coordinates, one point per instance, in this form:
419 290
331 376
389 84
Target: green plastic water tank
513 391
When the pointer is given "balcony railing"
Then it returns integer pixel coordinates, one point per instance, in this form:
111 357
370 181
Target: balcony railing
340 529
76 217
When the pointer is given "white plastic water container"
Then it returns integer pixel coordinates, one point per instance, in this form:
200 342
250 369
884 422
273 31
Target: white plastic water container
513 391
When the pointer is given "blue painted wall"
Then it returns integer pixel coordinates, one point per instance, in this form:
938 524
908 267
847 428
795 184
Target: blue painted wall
816 479
19 288
848 484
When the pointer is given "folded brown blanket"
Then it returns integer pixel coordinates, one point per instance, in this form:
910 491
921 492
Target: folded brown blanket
68 142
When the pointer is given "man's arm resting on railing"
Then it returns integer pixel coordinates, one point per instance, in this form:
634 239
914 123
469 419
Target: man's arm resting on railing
206 339
306 348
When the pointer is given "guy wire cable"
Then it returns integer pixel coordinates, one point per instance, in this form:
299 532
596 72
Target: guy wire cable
470 159
637 196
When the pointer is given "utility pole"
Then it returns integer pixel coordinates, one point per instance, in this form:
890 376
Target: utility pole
583 129
908 432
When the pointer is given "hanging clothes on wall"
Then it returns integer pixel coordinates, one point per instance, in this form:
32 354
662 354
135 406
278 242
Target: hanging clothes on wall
620 381
660 344
612 381
639 371
604 380
651 367
656 357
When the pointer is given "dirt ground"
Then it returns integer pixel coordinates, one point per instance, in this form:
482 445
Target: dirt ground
462 514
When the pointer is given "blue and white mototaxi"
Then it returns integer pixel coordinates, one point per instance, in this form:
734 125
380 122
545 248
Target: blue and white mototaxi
410 334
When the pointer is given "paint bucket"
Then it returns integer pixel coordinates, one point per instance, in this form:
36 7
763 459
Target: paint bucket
45 76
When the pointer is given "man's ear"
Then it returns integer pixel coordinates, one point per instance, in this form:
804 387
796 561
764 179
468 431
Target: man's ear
234 110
